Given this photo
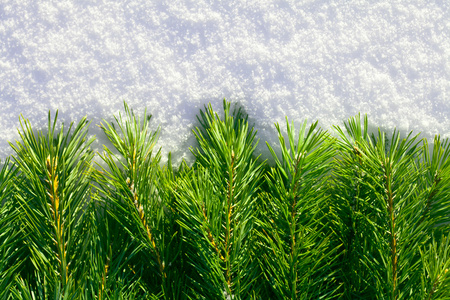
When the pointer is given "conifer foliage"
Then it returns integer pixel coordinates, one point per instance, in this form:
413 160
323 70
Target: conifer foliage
299 254
51 199
392 219
354 215
216 200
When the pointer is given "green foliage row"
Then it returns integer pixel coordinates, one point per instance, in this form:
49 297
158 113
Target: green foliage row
346 217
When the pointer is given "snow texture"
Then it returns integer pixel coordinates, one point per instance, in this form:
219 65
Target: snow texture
315 60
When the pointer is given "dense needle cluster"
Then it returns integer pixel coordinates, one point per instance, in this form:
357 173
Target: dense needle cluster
355 215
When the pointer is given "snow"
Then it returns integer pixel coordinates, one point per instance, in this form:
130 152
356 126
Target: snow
319 60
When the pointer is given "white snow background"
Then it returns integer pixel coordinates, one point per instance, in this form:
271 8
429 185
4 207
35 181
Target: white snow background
315 60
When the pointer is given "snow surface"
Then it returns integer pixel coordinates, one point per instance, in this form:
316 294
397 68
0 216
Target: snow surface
320 60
